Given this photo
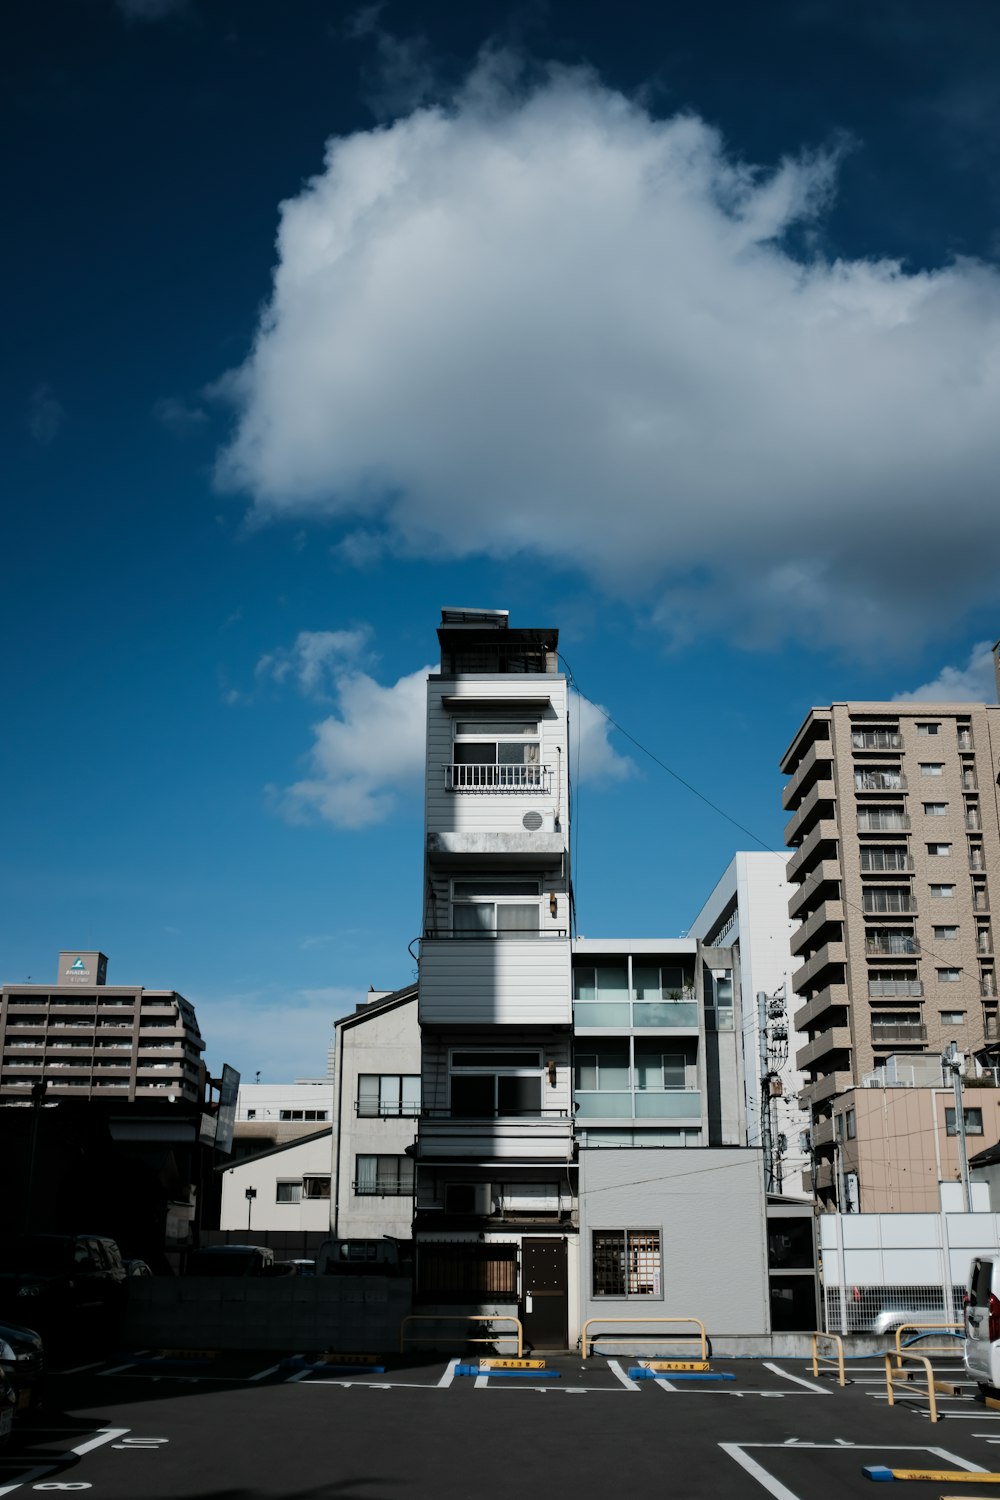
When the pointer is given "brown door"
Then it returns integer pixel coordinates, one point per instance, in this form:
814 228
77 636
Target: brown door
544 1294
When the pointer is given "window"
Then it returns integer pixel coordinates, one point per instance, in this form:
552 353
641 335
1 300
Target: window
600 996
973 1121
383 1176
626 1263
882 857
251 1113
288 1191
385 1095
943 892
932 768
935 809
928 728
945 934
878 779
317 1186
660 1070
490 1083
949 976
496 756
491 908
876 739
938 851
851 1125
953 1018
302 1114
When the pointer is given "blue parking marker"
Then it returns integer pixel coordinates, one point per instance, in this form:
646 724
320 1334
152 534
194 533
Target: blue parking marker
879 1471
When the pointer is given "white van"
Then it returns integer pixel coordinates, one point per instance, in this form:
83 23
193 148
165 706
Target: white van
982 1323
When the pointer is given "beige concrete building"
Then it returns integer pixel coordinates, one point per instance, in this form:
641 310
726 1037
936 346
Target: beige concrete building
895 832
87 1039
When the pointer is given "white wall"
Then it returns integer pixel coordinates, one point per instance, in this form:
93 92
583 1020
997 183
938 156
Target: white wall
309 1157
267 1100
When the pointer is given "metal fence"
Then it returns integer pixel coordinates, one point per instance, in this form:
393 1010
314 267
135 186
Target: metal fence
881 1309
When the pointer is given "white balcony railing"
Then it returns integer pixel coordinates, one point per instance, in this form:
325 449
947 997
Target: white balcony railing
497 778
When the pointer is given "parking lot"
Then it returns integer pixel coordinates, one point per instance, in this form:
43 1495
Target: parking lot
238 1427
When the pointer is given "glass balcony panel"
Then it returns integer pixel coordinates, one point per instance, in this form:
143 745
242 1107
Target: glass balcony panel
664 1013
603 1103
600 1013
668 1104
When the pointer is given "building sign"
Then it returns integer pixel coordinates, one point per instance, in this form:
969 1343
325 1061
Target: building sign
78 973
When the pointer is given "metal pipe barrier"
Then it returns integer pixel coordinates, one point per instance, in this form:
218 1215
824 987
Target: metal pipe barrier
702 1334
517 1332
816 1356
950 1330
920 1359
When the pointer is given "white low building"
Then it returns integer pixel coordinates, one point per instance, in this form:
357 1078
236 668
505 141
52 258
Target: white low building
285 1188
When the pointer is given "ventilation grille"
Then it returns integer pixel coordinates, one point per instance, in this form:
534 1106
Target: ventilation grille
532 821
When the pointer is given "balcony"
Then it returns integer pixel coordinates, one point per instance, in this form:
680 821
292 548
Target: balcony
829 954
600 1015
879 781
546 1135
824 1088
834 997
837 1039
891 944
638 1104
882 820
495 779
808 811
876 739
888 903
822 1134
820 752
903 1032
884 988
522 846
895 861
827 872
805 935
801 862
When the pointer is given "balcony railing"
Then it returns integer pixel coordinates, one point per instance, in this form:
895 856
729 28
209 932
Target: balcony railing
887 987
879 781
513 933
386 1109
885 862
638 1104
480 777
892 943
876 739
882 822
876 902
900 1032
635 1013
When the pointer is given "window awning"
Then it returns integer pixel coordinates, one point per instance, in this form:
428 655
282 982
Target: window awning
454 703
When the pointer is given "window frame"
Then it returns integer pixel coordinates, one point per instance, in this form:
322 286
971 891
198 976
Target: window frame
385 1183
288 1182
401 1108
631 1285
972 1127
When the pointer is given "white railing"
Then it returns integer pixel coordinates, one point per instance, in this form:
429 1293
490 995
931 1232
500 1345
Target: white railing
497 778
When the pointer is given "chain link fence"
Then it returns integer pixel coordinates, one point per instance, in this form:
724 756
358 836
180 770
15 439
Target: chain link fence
881 1309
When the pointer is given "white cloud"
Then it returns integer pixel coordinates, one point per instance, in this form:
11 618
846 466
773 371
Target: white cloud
365 756
540 321
178 417
284 1034
973 683
368 755
317 660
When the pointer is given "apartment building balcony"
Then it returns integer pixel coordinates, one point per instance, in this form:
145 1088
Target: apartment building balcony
827 871
624 1015
495 780
834 997
891 945
827 1087
888 988
876 739
801 861
819 755
607 1106
509 980
904 1032
544 1135
879 781
875 862
829 954
824 1176
822 1134
887 904
820 795
805 935
837 1039
882 820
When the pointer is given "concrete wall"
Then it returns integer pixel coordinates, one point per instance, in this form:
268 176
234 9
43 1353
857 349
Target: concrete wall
353 1313
709 1207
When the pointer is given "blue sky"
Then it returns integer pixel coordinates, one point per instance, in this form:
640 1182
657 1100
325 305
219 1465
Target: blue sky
674 327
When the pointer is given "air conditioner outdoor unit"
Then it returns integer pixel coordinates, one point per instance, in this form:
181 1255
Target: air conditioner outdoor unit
539 822
468 1198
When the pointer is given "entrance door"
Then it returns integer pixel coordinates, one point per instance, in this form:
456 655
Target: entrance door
544 1293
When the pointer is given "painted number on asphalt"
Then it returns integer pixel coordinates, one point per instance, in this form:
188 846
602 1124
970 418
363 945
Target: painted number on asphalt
132 1445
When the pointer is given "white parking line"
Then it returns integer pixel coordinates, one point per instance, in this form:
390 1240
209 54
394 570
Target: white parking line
810 1385
105 1435
79 1369
262 1373
28 1477
619 1374
449 1374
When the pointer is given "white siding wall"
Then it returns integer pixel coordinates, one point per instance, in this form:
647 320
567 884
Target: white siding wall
496 982
291 1164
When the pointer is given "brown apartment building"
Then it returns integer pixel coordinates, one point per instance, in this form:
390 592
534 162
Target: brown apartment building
895 833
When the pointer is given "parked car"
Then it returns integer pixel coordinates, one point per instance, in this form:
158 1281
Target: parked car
982 1323
384 1257
292 1268
23 1357
230 1260
8 1406
136 1268
60 1278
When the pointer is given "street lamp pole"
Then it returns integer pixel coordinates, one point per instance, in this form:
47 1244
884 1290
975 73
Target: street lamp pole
250 1194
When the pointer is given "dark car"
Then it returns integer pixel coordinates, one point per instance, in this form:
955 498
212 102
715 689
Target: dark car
23 1358
48 1279
8 1405
230 1260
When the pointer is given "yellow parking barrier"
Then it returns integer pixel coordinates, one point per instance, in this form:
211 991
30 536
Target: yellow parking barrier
643 1333
890 1378
956 1329
816 1356
516 1333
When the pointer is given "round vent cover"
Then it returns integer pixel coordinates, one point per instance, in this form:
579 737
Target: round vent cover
532 821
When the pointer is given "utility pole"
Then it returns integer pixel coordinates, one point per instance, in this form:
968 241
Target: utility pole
952 1061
